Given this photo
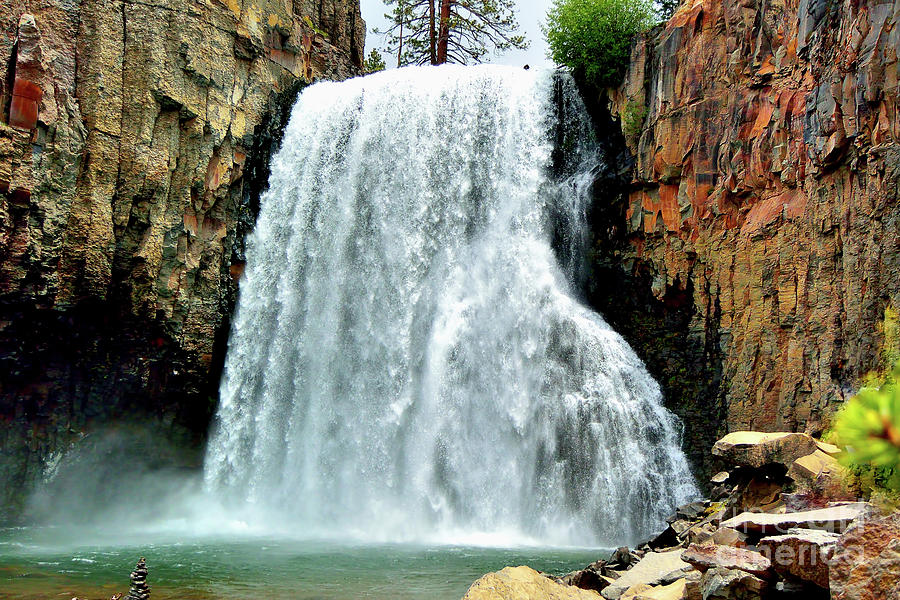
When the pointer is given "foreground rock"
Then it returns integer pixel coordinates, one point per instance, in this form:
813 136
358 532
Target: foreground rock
676 590
801 553
834 519
524 583
866 561
720 583
709 556
654 568
756 449
784 554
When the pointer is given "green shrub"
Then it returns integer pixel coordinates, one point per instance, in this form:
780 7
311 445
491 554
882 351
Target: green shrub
633 119
867 427
593 37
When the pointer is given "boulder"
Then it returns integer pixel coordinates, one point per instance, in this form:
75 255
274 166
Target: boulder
701 533
801 553
708 556
589 578
634 590
828 448
726 536
621 558
834 518
756 449
676 590
652 569
865 564
730 584
523 583
814 465
821 474
691 511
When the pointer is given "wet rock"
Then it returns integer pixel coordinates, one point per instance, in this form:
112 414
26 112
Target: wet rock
523 583
865 564
801 553
757 449
709 556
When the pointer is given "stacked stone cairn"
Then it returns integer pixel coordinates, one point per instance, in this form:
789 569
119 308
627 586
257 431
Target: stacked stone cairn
139 589
781 522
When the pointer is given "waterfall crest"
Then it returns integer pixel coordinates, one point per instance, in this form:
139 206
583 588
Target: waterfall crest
409 359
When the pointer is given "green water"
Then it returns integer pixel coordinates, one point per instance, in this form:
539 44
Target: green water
48 563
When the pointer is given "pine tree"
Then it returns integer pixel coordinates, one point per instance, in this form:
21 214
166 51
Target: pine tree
455 31
374 62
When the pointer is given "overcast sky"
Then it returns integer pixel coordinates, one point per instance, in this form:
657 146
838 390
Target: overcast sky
530 14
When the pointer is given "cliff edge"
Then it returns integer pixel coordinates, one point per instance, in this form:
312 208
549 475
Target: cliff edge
759 234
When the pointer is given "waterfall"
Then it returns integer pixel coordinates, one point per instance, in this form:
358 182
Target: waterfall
410 359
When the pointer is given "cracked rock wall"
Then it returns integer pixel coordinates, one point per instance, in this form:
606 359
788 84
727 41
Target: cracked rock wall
764 201
126 130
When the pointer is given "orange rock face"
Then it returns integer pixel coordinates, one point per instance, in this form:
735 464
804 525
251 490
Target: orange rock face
765 188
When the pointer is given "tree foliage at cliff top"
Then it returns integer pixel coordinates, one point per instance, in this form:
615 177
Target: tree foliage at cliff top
593 37
455 31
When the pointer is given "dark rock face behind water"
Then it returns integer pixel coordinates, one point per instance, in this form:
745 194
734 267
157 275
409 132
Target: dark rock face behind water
134 141
758 239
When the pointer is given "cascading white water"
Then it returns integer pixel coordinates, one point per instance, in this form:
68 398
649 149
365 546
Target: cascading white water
409 360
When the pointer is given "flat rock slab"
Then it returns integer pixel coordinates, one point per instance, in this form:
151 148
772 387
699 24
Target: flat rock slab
801 553
651 570
709 556
834 518
866 561
524 583
676 590
756 449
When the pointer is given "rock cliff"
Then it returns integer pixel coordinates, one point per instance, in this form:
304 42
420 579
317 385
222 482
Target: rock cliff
134 141
758 237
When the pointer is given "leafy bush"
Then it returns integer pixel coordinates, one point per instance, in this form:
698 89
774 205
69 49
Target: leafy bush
633 119
593 37
868 426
